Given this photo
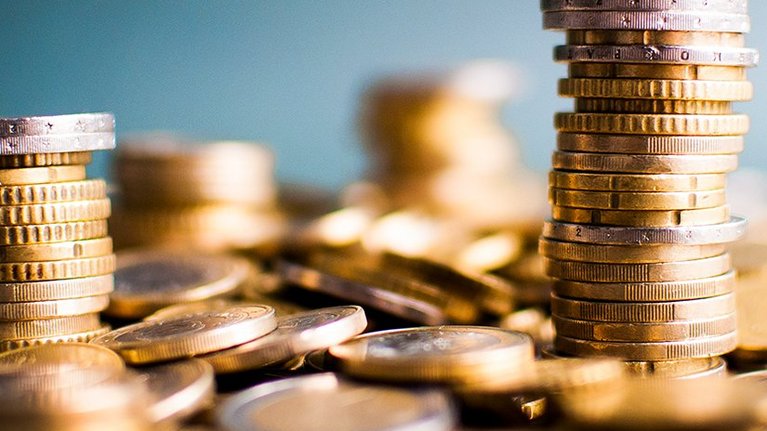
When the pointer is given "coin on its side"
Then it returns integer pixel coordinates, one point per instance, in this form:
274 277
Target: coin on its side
189 334
328 403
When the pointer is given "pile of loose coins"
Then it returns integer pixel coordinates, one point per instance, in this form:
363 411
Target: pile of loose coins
56 259
205 195
636 242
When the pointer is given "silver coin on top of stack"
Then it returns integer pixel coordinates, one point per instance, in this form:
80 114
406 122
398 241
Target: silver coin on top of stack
56 259
212 196
640 223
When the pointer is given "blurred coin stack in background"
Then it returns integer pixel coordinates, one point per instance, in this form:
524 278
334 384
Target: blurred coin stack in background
56 260
209 196
637 240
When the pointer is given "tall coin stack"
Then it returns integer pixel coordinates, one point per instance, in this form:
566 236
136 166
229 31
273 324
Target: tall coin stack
211 196
637 240
56 259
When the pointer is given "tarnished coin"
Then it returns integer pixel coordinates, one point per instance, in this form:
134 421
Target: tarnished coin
327 403
41 175
190 334
694 20
178 390
644 163
638 312
444 354
649 351
644 332
658 54
148 280
657 71
13 311
642 218
78 337
295 335
720 6
647 292
74 355
689 235
51 327
658 253
33 291
663 89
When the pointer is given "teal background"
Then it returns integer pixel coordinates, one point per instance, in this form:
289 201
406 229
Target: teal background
288 73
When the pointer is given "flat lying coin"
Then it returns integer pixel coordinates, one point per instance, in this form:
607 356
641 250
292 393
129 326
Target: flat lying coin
652 124
51 327
647 292
46 159
645 163
54 232
652 106
726 6
79 337
637 312
76 355
34 291
650 201
635 182
664 89
13 311
53 192
327 403
658 253
642 20
178 390
649 351
295 335
57 251
644 332
57 269
60 212
644 37
657 71
41 175
439 354
56 125
658 54
190 334
642 218
148 280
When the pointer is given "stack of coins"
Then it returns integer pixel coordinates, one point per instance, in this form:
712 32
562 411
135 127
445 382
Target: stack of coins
636 243
56 259
211 196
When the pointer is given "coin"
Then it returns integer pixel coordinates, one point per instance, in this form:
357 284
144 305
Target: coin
328 403
295 335
651 106
650 312
688 235
635 182
17 330
657 71
14 311
439 354
649 144
60 212
54 232
53 192
640 20
189 335
652 124
664 89
147 280
76 355
658 54
642 218
658 201
726 6
15 272
178 390
45 159
626 254
649 351
642 163
644 37
56 289
647 292
57 251
638 272
78 337
57 125
644 332
50 174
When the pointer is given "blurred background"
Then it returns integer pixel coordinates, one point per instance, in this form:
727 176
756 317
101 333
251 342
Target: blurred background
287 73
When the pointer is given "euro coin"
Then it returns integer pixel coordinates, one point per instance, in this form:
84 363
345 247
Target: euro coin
649 351
56 289
657 71
651 312
53 192
718 6
652 106
77 337
644 332
581 252
651 201
61 212
638 272
642 218
19 330
74 355
42 175
178 390
658 54
56 270
644 163
635 182
88 248
14 311
643 37
652 124
656 89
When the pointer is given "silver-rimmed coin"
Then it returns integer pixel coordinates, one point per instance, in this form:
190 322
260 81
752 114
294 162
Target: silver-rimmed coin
720 6
68 124
640 20
657 54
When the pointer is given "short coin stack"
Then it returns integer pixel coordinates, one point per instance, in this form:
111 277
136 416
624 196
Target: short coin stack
640 223
56 259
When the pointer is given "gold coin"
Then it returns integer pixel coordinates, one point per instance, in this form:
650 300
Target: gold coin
670 89
651 144
328 403
657 71
666 201
13 311
57 251
652 106
638 272
654 351
79 337
148 280
296 334
438 354
652 124
61 212
56 289
190 334
54 232
651 312
647 292
48 327
670 218
57 269
645 164
45 159
644 332
645 37
78 355
53 192
178 390
652 253
49 174
635 182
